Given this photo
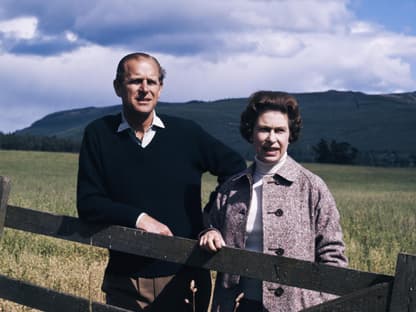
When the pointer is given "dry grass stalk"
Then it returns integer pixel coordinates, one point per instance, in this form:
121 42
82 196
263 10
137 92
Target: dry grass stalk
237 301
193 290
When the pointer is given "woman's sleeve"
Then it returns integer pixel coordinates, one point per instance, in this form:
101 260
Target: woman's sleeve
330 247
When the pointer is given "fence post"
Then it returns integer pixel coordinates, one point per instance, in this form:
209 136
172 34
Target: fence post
403 296
4 196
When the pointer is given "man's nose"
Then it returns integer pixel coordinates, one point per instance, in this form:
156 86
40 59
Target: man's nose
144 87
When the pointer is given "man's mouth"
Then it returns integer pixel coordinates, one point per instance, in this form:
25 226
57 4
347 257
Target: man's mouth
140 99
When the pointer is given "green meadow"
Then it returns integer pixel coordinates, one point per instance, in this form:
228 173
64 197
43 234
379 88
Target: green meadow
377 207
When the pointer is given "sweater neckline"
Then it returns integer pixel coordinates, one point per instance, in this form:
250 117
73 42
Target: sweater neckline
263 169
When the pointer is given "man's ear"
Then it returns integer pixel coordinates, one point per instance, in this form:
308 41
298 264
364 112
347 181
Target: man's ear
117 87
160 91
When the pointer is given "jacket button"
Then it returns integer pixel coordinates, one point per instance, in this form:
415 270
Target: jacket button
278 292
279 251
278 212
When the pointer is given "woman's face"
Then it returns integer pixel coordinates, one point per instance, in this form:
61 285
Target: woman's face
271 136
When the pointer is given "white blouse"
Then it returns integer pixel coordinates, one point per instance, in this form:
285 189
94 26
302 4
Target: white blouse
252 288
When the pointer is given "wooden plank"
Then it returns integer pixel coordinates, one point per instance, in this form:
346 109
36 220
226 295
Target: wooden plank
282 270
372 299
403 296
4 197
45 299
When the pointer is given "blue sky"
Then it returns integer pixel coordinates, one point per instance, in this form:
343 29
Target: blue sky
60 55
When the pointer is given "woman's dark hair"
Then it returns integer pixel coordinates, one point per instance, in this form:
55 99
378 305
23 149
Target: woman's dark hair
262 101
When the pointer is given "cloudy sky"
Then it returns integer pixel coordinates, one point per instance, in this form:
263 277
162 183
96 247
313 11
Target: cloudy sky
59 55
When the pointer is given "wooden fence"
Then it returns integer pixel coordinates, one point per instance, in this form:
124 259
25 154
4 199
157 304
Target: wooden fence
358 291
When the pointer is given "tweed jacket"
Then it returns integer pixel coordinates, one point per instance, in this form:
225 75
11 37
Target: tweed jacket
300 220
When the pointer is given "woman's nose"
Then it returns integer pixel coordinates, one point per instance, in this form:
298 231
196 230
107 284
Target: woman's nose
271 137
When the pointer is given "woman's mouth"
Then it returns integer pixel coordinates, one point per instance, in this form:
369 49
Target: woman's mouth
271 148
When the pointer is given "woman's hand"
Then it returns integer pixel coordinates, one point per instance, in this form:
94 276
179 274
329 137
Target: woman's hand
211 241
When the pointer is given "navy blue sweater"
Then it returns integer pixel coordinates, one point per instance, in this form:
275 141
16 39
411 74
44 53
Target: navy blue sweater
118 180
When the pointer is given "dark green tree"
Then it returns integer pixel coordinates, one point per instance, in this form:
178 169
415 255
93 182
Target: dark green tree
322 152
334 152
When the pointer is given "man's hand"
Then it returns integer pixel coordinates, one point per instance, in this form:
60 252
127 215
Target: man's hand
211 241
151 225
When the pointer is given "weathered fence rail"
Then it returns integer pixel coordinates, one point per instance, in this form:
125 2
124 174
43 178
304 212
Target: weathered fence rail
359 291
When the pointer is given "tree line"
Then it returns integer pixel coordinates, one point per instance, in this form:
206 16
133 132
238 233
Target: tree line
28 142
344 153
323 152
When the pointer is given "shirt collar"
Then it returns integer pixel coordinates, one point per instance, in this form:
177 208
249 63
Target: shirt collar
157 122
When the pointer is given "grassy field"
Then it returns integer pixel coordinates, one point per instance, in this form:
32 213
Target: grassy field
377 209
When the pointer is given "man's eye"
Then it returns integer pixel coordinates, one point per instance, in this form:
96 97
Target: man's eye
135 81
264 129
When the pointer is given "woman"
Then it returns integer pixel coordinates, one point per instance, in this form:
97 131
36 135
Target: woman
276 206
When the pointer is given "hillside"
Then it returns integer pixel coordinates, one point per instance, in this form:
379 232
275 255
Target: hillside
377 125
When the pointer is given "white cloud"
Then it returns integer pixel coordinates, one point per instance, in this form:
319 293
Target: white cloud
277 44
211 50
19 28
36 86
363 28
318 62
70 36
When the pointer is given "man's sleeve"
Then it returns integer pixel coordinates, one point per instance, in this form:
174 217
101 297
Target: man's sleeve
93 201
219 159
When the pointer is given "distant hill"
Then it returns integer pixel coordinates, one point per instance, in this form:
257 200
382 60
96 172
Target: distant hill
379 126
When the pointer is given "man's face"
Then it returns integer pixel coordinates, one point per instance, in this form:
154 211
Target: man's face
140 88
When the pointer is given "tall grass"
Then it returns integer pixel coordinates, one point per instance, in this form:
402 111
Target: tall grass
377 210
47 182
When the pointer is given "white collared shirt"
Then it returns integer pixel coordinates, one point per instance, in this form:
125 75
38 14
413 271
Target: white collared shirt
148 134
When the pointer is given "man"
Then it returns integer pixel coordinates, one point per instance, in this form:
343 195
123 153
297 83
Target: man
138 169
